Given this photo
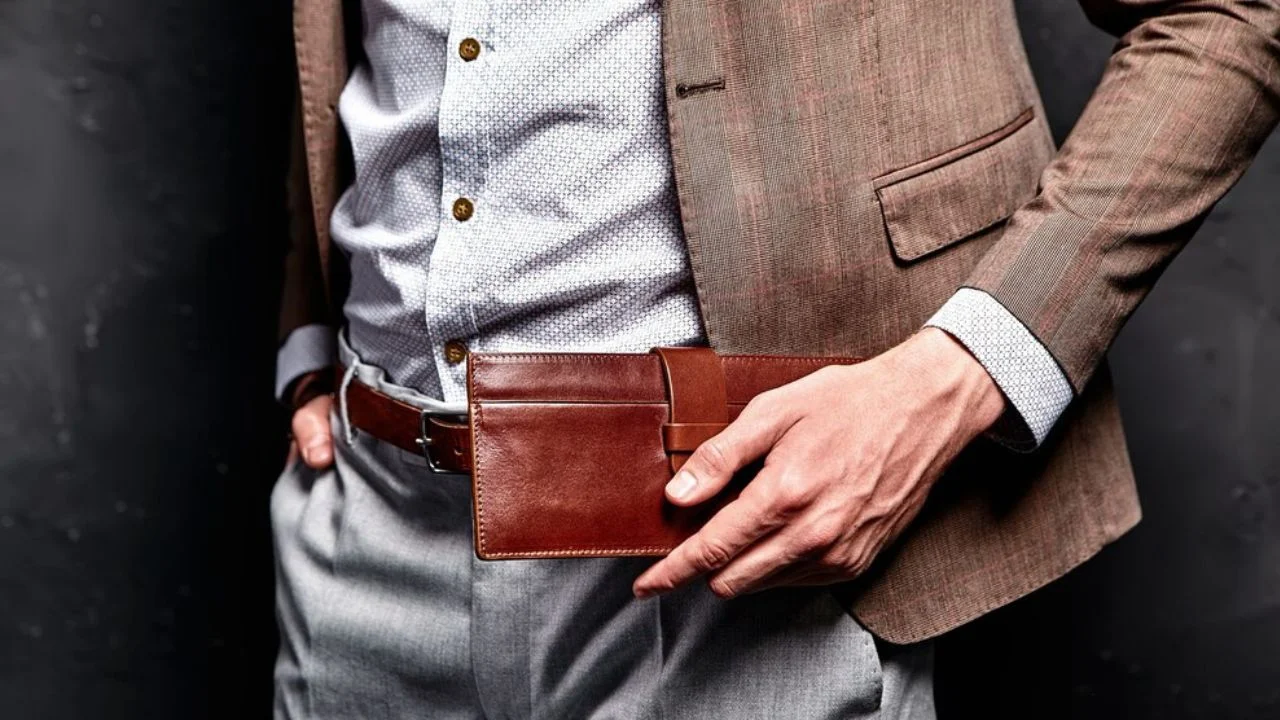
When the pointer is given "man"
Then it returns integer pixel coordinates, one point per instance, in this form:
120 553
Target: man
859 178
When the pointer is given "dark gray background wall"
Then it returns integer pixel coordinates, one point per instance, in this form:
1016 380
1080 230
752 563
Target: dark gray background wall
1182 617
141 150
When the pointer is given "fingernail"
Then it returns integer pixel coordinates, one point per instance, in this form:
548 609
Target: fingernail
681 485
306 455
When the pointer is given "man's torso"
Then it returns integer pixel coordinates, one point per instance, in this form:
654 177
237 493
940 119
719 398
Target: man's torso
841 168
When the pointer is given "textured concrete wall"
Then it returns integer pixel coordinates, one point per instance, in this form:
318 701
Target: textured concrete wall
141 146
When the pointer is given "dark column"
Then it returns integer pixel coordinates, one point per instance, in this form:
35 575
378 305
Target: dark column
142 149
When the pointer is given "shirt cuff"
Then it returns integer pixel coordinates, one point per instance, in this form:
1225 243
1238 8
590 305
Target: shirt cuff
1036 388
308 348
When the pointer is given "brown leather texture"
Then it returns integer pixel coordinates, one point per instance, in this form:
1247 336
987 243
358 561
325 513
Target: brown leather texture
570 451
696 391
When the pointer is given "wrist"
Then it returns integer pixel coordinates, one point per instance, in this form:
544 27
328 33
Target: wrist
309 386
956 375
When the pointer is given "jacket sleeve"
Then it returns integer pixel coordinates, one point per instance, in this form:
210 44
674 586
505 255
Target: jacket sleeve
1189 95
303 299
306 334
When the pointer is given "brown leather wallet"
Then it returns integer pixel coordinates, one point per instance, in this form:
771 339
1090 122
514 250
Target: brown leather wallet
570 453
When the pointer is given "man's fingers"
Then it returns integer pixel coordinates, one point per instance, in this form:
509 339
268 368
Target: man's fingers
726 534
311 432
764 563
750 570
786 556
713 464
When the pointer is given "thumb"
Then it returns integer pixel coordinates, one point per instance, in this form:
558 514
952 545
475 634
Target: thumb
311 431
710 468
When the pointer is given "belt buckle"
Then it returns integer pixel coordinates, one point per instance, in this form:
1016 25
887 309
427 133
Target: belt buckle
425 441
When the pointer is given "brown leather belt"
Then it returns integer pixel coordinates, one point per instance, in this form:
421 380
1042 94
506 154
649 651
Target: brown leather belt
445 444
569 453
691 382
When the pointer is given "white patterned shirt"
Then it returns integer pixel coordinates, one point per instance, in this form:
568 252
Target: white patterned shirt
513 191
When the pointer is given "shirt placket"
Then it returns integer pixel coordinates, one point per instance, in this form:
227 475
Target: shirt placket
464 215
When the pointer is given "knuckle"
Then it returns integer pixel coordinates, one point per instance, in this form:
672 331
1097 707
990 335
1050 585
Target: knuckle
848 565
808 544
817 538
713 456
762 403
793 490
711 554
722 588
765 507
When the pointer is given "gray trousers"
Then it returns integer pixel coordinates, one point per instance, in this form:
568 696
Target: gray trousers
385 612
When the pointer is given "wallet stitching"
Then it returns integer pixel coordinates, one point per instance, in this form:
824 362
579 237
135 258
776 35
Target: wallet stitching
475 462
821 359
578 552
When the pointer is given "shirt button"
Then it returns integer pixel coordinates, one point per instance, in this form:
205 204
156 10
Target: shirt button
469 49
462 209
455 352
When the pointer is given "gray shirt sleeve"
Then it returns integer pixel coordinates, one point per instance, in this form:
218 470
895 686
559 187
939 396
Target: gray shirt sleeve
308 348
1035 386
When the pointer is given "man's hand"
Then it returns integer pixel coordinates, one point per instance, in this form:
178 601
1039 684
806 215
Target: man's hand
310 426
850 453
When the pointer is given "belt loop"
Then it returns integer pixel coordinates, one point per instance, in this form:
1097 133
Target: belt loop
697 396
347 430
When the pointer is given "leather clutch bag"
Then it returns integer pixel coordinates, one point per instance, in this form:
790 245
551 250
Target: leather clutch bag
571 452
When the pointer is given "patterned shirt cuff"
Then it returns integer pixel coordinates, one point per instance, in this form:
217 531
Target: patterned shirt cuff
308 348
1036 388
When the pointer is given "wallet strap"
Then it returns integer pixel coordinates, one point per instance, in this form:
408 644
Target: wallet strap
696 393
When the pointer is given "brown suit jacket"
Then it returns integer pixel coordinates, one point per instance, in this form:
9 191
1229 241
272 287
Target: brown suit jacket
843 166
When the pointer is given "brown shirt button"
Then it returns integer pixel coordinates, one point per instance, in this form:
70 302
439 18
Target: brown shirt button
455 352
462 209
469 49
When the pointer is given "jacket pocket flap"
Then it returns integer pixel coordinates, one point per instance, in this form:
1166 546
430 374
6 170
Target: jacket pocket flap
940 201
